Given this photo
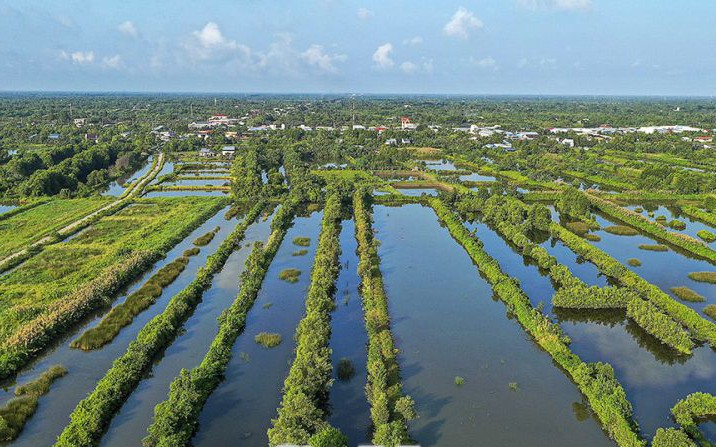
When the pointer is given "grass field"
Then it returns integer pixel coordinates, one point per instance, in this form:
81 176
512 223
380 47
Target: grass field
30 291
19 231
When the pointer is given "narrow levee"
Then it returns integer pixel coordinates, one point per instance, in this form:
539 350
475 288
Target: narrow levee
86 368
239 411
130 424
474 374
350 410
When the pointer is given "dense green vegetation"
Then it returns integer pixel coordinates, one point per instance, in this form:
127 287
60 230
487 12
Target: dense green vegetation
688 411
390 409
289 275
15 413
204 240
268 339
57 181
176 419
301 413
92 415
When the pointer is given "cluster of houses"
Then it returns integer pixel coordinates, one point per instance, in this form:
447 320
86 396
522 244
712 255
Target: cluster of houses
226 151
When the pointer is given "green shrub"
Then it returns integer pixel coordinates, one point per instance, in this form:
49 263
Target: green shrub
686 294
513 386
345 370
653 247
706 235
688 412
634 262
268 339
328 437
671 437
709 277
302 241
621 230
459 381
290 275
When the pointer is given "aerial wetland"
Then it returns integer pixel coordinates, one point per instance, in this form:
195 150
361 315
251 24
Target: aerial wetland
434 285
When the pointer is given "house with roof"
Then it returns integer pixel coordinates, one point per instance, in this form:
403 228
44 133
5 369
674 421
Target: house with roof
91 137
206 153
228 151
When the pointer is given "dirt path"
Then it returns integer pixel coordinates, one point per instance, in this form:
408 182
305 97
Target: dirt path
134 190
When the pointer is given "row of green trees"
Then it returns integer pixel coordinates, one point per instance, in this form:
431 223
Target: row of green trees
595 380
301 413
698 327
572 292
390 409
92 415
177 418
654 321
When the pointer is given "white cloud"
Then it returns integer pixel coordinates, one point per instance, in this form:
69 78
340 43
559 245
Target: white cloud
408 67
209 44
560 5
128 29
487 63
364 13
382 58
78 57
417 40
461 23
114 62
314 56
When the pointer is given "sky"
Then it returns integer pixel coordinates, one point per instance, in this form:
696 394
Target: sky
538 47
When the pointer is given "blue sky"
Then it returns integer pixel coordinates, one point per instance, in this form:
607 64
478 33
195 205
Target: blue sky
602 47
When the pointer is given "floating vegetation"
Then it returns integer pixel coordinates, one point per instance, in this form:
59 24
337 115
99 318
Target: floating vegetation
267 305
205 239
686 294
345 370
268 339
592 237
123 314
634 262
299 253
17 411
710 310
653 247
459 381
709 277
290 275
579 228
513 386
302 241
621 230
191 252
677 225
706 235
638 209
